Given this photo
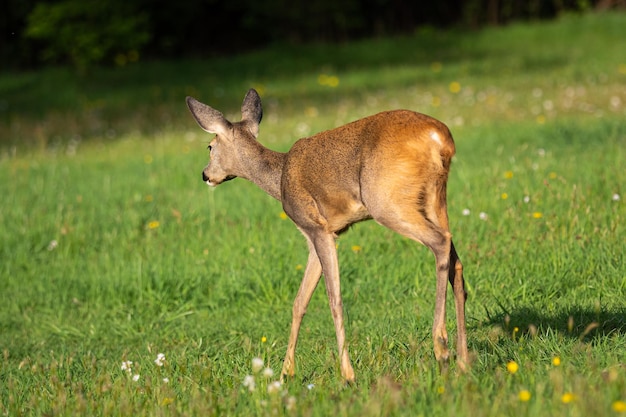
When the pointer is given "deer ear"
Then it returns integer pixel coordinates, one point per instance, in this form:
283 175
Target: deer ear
252 111
207 117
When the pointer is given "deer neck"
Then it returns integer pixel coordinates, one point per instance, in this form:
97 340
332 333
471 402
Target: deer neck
265 169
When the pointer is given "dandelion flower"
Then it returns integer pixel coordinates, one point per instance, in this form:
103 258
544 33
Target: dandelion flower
524 395
567 398
283 215
454 87
441 389
160 359
298 267
512 367
268 373
356 248
504 196
153 224
508 174
249 383
619 406
537 215
273 387
257 364
263 339
556 361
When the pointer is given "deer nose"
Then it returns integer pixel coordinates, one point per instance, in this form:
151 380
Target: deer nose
205 177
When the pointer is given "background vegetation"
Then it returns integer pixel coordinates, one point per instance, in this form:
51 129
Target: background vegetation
85 33
112 250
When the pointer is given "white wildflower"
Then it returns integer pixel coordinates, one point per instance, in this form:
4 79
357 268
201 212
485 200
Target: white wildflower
268 373
160 359
126 365
53 245
249 383
310 386
616 197
273 387
166 380
290 403
466 212
136 377
257 365
482 215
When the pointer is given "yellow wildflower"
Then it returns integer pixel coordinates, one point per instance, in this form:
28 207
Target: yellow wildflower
153 224
512 367
283 215
537 215
166 401
556 361
455 87
356 248
567 398
619 406
508 174
504 196
524 395
263 339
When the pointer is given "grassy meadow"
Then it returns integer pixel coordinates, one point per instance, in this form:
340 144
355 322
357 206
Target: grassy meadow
113 251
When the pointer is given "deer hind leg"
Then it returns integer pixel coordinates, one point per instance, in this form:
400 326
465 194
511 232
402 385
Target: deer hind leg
312 274
427 223
460 295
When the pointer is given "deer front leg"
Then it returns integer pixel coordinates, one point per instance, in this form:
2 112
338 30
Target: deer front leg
312 274
327 253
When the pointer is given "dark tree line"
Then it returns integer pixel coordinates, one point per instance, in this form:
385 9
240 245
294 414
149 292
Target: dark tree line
84 33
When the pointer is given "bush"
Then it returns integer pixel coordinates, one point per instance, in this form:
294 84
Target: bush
88 32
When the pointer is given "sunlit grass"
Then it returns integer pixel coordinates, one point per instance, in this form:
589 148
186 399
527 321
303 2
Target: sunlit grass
130 288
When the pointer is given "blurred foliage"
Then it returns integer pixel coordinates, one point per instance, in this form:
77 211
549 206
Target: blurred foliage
88 32
85 33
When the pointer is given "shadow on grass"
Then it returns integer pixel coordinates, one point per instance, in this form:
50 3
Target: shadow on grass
589 325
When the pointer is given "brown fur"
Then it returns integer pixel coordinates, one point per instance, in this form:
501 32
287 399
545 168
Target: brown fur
391 167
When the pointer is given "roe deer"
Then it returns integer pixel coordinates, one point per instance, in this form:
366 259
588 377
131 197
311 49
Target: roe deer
391 167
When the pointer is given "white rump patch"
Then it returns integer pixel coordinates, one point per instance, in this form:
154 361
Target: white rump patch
435 136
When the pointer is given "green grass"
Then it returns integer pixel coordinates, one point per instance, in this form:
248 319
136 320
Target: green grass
112 249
